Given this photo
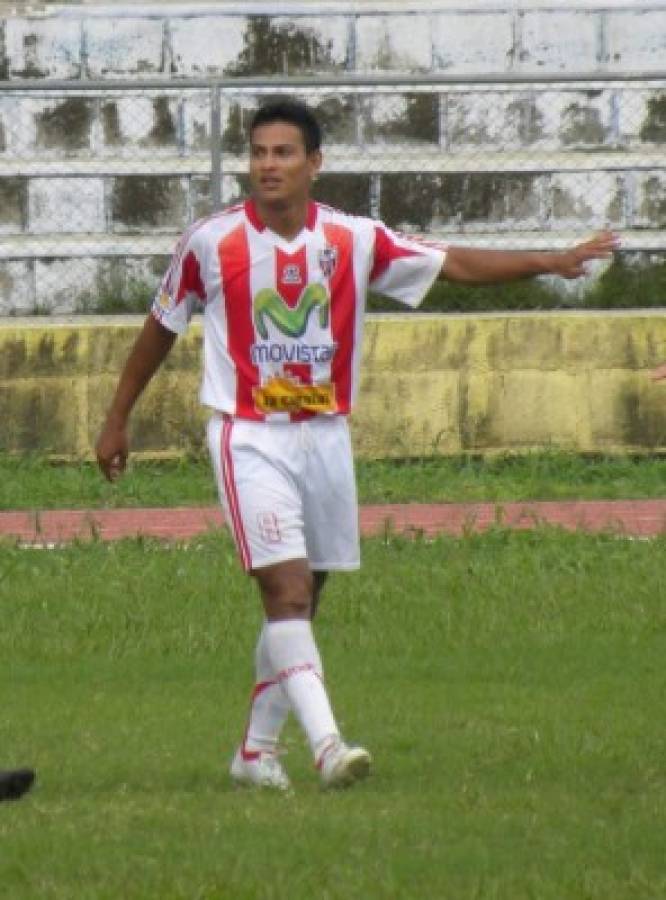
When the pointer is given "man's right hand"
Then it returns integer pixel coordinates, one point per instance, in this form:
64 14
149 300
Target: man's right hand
150 348
112 449
658 373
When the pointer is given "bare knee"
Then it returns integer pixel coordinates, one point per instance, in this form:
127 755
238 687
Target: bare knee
286 590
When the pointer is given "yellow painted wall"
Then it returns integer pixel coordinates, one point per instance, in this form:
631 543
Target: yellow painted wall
442 384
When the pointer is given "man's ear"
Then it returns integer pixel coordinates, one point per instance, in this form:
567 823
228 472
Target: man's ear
315 160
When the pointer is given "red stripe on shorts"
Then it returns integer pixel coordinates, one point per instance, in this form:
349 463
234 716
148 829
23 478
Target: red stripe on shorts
232 496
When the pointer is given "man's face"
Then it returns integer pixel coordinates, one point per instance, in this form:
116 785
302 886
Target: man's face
281 171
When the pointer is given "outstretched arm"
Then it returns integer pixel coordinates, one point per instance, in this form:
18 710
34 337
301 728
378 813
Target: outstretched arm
149 351
659 373
477 266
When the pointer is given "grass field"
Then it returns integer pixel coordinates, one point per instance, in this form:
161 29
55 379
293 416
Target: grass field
33 482
510 687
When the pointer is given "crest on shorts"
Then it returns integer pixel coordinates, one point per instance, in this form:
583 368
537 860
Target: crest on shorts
269 528
328 260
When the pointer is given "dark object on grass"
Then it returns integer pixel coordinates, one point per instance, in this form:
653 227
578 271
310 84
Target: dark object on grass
14 783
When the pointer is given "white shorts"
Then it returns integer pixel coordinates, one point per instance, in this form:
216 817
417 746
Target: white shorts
288 490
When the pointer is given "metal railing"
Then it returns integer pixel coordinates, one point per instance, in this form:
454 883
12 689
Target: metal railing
97 179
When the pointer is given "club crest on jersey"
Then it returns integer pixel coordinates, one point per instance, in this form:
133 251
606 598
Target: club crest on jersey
291 274
328 260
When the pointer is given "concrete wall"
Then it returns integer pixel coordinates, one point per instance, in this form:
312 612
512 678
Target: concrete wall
440 384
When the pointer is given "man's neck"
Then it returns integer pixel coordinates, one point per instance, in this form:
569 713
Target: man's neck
288 221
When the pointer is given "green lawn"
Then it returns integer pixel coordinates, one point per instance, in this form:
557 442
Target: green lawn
509 685
34 483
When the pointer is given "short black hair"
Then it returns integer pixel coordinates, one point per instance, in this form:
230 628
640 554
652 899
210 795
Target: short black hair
293 112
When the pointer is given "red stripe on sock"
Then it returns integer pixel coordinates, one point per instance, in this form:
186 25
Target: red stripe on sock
249 755
295 670
260 687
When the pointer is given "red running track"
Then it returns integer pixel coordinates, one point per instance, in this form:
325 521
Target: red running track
635 518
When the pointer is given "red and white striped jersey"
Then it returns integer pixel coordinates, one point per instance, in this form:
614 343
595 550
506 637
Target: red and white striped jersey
283 320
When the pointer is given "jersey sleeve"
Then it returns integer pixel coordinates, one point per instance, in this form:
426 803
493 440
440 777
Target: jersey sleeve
404 268
182 289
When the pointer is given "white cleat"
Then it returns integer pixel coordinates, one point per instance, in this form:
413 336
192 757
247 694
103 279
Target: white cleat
261 770
341 766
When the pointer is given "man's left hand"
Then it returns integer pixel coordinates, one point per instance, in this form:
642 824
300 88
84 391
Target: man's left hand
571 263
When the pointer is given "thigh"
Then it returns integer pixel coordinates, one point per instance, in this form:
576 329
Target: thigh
261 501
329 498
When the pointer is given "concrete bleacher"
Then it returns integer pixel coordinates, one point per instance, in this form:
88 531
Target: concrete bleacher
96 182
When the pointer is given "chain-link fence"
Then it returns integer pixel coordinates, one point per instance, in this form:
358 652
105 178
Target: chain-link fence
97 180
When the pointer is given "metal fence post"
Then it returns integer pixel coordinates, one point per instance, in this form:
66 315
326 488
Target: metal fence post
215 146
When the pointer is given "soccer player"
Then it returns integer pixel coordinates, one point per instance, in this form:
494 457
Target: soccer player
14 783
282 283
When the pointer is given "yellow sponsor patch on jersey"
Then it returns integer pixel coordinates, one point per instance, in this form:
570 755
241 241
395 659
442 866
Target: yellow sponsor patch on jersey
282 395
165 302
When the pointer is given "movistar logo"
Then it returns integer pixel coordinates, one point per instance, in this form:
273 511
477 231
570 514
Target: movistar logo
291 321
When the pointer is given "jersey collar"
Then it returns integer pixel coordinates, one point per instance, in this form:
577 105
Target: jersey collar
257 223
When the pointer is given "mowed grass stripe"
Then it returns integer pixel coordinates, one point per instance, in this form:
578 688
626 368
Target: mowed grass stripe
32 482
510 686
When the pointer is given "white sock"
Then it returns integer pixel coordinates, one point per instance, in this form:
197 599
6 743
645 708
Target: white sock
269 706
297 665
